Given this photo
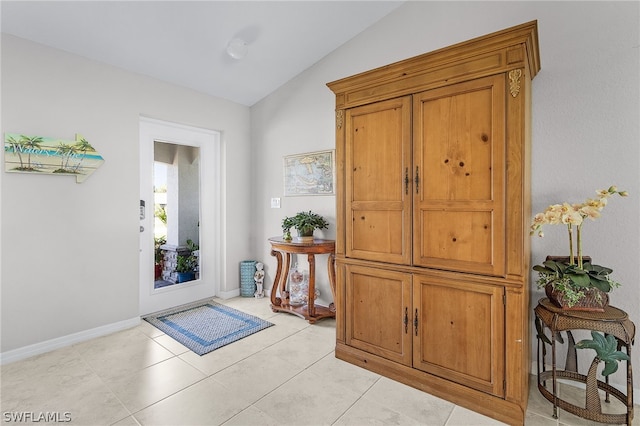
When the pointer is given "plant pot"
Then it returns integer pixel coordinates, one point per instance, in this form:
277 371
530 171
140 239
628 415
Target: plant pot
186 276
305 237
158 271
566 259
595 300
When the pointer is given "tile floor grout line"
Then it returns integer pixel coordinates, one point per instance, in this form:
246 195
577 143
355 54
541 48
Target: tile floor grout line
170 395
358 399
210 376
104 384
110 389
241 359
280 385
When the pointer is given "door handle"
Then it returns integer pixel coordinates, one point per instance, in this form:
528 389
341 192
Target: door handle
406 320
406 181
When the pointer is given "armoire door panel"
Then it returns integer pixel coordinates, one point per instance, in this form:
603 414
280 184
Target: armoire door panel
378 202
377 233
463 238
379 300
462 332
457 146
459 158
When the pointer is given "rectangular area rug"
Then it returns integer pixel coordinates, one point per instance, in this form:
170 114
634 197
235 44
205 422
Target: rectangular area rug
206 326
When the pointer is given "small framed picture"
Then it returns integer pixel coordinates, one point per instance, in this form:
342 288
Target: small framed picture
312 173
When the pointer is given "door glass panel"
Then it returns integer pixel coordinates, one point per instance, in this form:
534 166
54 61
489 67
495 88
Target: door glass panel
177 213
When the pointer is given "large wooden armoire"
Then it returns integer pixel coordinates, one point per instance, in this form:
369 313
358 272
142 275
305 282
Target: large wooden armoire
433 209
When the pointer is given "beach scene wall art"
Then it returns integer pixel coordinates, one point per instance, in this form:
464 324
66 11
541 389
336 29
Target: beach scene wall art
50 156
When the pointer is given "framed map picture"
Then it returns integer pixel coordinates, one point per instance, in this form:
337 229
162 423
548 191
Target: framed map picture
312 173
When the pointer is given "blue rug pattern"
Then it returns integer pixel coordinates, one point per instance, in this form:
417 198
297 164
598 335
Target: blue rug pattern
207 326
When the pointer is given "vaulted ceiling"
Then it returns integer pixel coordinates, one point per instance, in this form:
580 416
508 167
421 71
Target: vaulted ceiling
184 42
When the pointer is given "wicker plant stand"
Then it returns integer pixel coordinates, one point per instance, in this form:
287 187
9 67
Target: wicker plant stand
612 321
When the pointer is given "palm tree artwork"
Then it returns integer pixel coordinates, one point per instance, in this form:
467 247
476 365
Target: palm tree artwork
82 146
13 145
66 151
31 144
47 155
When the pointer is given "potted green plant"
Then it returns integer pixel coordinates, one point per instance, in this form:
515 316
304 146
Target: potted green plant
572 282
186 267
186 264
159 255
305 223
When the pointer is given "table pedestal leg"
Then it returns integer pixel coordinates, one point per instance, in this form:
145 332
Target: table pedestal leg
275 300
312 285
279 293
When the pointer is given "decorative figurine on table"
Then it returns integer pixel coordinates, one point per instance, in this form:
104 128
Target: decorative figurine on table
258 277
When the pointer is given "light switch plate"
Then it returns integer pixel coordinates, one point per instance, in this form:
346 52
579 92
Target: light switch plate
275 203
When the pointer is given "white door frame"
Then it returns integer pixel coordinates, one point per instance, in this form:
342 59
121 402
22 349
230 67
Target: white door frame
208 285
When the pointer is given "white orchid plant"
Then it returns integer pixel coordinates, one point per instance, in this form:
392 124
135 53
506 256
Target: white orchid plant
576 276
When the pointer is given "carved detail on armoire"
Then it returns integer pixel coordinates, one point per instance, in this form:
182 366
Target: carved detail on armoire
339 118
514 82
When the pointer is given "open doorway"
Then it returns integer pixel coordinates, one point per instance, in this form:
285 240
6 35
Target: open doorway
180 223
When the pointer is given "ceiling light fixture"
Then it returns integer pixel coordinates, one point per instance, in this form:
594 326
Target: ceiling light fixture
237 48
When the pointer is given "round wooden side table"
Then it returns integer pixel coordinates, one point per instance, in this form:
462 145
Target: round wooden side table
612 321
282 251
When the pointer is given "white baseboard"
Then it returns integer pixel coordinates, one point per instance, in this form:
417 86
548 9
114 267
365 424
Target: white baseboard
229 294
61 342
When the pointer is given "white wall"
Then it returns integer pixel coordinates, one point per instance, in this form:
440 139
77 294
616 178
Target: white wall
585 124
70 251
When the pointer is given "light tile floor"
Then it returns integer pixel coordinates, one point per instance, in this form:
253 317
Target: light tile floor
284 375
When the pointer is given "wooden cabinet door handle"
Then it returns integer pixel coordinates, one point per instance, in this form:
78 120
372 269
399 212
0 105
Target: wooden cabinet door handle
406 320
406 181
